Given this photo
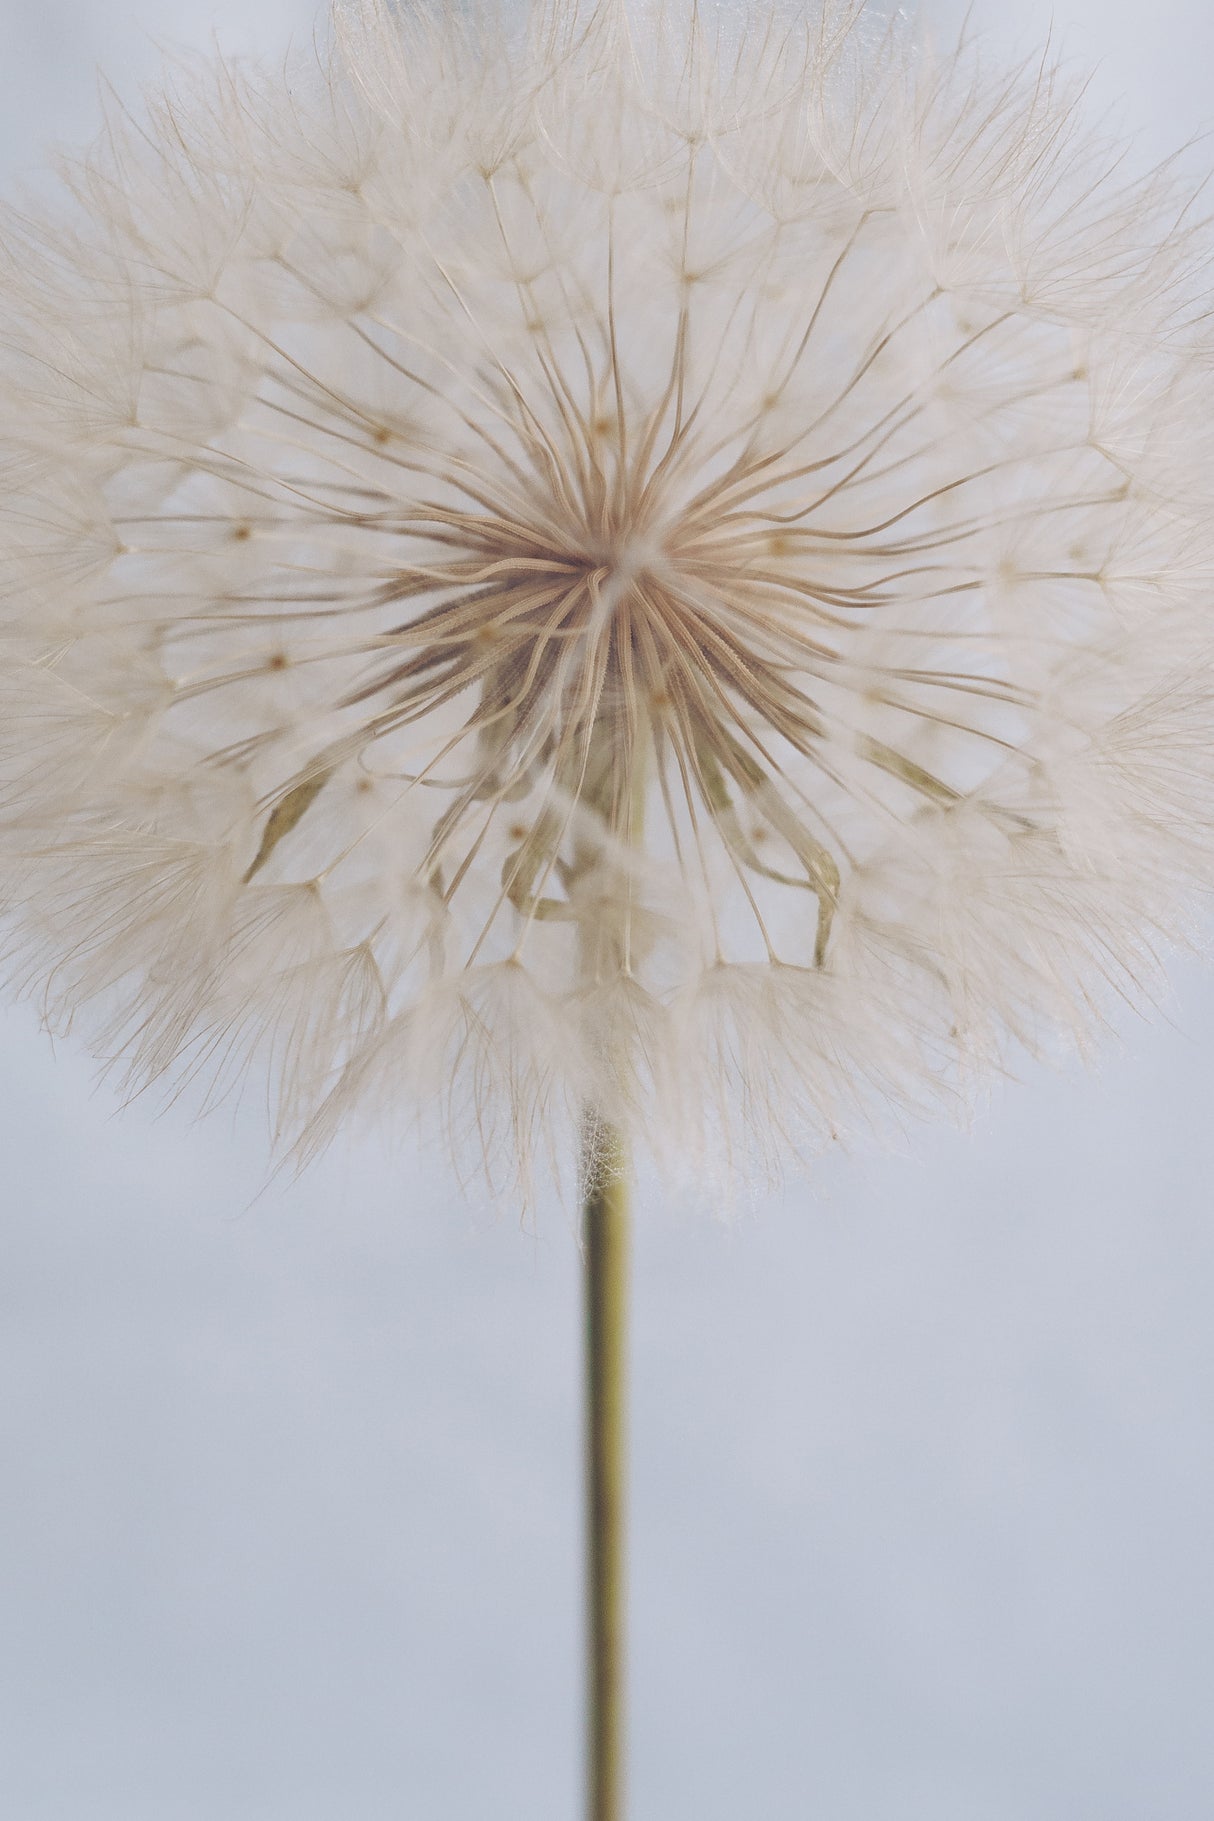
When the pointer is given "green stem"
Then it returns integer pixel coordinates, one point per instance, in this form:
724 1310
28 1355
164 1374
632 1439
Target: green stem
605 1253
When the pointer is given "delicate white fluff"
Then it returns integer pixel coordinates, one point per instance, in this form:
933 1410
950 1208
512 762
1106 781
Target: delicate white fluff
609 557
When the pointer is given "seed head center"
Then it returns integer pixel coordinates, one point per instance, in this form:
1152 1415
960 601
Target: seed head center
624 563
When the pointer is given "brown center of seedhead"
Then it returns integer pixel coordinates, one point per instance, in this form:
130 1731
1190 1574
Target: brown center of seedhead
604 631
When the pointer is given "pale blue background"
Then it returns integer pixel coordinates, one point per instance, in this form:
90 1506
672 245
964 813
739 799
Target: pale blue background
924 1478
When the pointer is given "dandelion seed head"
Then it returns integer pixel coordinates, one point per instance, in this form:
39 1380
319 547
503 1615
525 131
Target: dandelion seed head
608 556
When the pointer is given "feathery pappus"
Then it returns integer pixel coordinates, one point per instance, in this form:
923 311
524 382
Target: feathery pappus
616 555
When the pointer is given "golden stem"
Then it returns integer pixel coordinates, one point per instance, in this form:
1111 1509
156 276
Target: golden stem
605 1253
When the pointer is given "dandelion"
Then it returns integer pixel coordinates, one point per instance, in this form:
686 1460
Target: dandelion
623 576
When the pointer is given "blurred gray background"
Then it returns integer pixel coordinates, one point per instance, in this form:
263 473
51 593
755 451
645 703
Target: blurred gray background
924 1475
